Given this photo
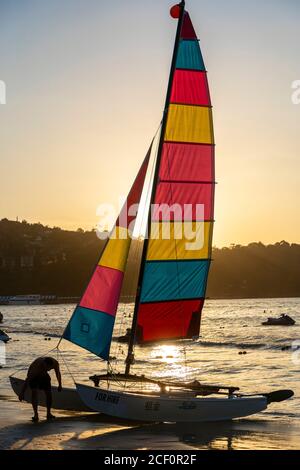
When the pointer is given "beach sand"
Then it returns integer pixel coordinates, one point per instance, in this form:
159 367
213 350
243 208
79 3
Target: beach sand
73 431
97 432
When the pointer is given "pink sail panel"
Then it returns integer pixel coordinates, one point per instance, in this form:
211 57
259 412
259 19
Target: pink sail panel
187 162
180 194
167 320
190 87
103 291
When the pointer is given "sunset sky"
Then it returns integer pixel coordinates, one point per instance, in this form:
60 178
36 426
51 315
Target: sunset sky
86 83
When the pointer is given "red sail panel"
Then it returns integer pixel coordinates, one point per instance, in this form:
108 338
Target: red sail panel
175 272
169 320
190 87
187 162
186 200
187 31
125 218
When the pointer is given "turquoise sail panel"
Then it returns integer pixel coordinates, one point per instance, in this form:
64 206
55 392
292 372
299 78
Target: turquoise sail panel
174 280
189 56
91 330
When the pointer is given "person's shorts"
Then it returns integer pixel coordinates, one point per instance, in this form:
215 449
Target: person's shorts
41 382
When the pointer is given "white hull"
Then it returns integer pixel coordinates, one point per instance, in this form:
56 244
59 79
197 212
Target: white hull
165 408
68 399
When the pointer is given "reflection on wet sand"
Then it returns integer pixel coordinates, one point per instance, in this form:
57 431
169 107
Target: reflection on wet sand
90 431
222 436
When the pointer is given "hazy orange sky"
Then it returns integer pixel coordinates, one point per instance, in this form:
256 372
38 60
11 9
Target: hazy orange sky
86 83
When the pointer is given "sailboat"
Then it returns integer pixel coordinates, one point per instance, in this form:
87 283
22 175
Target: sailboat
173 270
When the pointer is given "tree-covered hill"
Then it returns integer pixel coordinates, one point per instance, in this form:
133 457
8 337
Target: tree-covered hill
35 259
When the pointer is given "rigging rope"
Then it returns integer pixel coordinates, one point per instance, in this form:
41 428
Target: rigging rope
25 368
66 365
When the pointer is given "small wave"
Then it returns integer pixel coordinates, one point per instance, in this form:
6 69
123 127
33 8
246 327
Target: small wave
31 332
278 414
230 344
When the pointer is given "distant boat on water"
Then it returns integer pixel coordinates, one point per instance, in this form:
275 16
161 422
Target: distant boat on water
283 320
36 299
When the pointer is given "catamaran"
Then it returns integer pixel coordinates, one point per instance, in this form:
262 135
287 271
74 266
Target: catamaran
173 271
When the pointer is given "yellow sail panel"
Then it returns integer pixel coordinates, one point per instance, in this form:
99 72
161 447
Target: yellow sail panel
189 124
116 251
176 240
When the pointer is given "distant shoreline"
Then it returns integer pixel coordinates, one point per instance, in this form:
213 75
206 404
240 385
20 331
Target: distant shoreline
76 300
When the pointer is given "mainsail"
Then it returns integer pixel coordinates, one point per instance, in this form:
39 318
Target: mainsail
177 253
174 272
91 325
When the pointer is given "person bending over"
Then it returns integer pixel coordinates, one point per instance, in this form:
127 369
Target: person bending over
39 379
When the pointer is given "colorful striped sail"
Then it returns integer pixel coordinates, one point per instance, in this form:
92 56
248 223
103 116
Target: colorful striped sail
176 266
91 325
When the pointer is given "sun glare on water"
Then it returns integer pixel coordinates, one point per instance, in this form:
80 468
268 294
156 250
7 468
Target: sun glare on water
166 353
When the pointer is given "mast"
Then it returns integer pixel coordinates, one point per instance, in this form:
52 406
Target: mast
129 358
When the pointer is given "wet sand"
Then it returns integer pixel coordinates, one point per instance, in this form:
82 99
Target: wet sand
95 432
72 431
